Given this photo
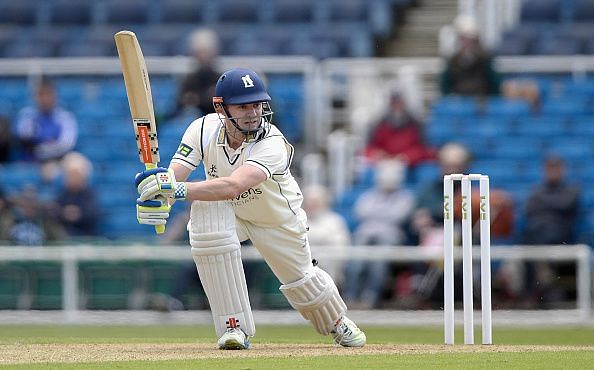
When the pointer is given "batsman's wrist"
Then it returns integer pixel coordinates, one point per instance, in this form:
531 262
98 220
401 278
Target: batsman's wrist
181 191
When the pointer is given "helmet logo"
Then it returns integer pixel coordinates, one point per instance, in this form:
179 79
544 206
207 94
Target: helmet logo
247 81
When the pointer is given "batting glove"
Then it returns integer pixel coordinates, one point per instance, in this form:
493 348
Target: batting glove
159 182
152 212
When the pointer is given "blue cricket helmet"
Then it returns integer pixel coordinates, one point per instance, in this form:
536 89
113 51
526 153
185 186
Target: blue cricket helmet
241 86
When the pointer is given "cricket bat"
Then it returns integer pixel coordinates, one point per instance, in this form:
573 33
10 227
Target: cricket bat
138 89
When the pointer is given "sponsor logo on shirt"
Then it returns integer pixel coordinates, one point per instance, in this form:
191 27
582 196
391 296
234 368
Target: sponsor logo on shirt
184 150
247 196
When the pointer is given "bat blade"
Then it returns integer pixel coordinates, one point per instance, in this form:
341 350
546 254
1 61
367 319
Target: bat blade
138 89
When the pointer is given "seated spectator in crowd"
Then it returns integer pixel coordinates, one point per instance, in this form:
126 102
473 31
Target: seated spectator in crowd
427 219
455 158
326 228
6 218
76 205
5 139
46 131
33 225
551 215
470 70
552 207
382 212
398 135
197 89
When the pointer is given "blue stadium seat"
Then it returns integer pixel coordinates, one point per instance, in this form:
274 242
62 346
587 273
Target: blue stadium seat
425 172
489 127
21 174
540 11
94 110
580 87
88 49
583 11
556 45
79 12
507 108
514 46
570 148
455 106
291 11
577 31
376 14
29 49
102 33
582 126
320 49
239 11
498 174
8 33
168 36
22 13
252 44
183 11
121 223
127 12
564 106
517 148
542 127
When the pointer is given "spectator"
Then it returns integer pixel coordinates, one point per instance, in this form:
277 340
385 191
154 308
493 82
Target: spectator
455 158
326 228
452 158
551 215
6 217
5 139
552 208
76 207
470 70
398 135
33 225
383 212
197 88
46 131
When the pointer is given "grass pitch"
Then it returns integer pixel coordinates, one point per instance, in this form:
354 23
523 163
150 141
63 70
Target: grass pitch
288 347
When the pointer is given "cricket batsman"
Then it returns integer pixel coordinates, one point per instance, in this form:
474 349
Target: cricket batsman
249 193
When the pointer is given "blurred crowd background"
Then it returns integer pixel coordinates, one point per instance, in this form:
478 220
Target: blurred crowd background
391 95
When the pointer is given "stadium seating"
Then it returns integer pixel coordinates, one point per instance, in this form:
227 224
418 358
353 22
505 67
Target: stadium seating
71 12
508 140
165 26
551 27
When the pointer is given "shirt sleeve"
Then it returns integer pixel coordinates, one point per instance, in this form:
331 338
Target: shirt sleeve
26 124
189 151
271 155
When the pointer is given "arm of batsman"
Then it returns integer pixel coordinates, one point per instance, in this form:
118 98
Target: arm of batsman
152 212
159 182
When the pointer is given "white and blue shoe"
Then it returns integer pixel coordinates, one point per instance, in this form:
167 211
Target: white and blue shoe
234 338
347 334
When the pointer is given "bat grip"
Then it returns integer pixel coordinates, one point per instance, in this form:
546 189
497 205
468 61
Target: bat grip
159 229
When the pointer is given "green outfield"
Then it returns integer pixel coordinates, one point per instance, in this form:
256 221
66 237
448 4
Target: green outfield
287 347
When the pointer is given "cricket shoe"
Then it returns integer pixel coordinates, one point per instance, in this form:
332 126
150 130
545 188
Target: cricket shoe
234 338
347 334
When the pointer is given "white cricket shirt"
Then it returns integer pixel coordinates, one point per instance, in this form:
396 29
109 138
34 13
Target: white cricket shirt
271 203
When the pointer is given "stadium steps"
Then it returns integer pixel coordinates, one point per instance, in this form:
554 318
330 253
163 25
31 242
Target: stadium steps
418 37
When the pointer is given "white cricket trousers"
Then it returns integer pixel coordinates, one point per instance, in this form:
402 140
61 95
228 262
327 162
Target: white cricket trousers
284 248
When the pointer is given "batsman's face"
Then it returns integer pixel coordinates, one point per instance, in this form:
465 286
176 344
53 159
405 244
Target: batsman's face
247 116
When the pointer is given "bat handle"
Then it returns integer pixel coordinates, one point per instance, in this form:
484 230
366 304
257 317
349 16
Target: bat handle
159 229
